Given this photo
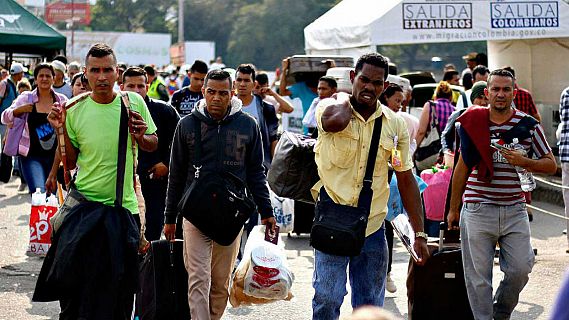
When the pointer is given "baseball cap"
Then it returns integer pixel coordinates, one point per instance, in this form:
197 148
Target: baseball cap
58 65
17 68
470 56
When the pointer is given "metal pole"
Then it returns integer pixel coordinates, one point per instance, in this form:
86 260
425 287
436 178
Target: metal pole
72 27
181 21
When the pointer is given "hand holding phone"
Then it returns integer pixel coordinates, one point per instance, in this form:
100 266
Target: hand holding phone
498 146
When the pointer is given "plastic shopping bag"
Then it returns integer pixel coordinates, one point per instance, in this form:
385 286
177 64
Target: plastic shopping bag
263 274
283 210
435 195
40 228
395 204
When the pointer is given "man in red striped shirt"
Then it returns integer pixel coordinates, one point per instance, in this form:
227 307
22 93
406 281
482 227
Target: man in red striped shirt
494 209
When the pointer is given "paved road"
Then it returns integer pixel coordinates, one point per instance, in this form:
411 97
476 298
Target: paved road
18 271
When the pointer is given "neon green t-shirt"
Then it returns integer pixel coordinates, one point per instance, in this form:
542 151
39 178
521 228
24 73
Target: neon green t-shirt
93 128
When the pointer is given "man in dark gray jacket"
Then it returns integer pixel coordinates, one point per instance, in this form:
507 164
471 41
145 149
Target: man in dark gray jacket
231 142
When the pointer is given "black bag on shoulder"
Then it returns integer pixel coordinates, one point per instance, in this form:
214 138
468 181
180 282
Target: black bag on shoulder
340 229
218 203
293 170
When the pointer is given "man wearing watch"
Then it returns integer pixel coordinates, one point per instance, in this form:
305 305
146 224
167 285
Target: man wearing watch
345 125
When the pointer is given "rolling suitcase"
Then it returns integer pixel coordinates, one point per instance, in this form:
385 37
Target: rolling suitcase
437 290
303 217
163 292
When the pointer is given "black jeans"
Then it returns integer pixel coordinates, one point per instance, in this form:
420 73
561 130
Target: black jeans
154 192
389 237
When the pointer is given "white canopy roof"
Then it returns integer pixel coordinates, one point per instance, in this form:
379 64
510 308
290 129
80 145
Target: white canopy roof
366 23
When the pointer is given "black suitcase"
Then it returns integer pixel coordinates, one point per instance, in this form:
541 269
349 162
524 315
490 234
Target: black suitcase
303 217
437 290
163 292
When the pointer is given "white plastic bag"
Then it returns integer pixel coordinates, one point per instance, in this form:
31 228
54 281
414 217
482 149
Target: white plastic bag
263 274
283 210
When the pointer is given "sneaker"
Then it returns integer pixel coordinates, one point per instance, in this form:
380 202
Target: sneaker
565 231
390 284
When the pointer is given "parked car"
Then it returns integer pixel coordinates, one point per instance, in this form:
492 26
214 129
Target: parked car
424 92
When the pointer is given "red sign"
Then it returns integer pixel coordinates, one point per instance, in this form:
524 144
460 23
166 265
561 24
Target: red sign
59 11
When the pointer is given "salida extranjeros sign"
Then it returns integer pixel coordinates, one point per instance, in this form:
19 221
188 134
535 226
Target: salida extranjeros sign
435 21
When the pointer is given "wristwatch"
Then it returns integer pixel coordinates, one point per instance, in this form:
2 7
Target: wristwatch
421 234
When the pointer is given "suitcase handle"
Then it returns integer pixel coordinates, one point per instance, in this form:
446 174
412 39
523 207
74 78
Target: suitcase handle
452 236
171 246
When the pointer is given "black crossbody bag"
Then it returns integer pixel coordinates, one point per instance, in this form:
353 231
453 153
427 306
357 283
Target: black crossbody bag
340 229
218 203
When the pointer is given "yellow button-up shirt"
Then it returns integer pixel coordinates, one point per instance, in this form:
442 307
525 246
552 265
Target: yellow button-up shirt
342 157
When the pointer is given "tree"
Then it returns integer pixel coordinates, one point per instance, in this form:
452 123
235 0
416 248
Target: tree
130 15
264 33
257 31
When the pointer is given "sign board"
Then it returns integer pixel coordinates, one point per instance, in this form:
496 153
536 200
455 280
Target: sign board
191 51
389 22
131 48
61 11
10 22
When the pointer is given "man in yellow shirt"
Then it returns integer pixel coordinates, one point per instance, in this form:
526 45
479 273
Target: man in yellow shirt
345 127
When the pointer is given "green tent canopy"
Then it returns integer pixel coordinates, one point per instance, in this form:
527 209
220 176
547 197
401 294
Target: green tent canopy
22 32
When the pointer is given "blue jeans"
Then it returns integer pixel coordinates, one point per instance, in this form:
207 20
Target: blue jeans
36 169
481 227
367 278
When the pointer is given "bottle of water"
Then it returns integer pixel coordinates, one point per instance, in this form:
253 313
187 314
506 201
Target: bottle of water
527 181
38 198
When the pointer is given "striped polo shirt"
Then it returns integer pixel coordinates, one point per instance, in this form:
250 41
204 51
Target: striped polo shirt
505 189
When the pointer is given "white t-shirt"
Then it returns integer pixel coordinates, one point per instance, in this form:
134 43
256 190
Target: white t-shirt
460 102
65 90
412 127
251 108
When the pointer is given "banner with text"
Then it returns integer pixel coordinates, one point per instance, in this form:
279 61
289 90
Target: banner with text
131 48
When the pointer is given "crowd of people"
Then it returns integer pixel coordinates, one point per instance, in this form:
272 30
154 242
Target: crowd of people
237 114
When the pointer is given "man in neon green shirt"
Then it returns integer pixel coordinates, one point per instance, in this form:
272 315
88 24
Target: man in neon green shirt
92 126
91 142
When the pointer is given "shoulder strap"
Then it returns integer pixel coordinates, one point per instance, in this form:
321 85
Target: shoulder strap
121 160
366 193
464 99
61 138
433 120
126 101
197 146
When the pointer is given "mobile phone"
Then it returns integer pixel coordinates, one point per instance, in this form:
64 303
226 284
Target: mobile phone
498 146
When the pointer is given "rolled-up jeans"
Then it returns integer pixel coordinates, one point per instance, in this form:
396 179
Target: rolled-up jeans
36 170
367 272
482 226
